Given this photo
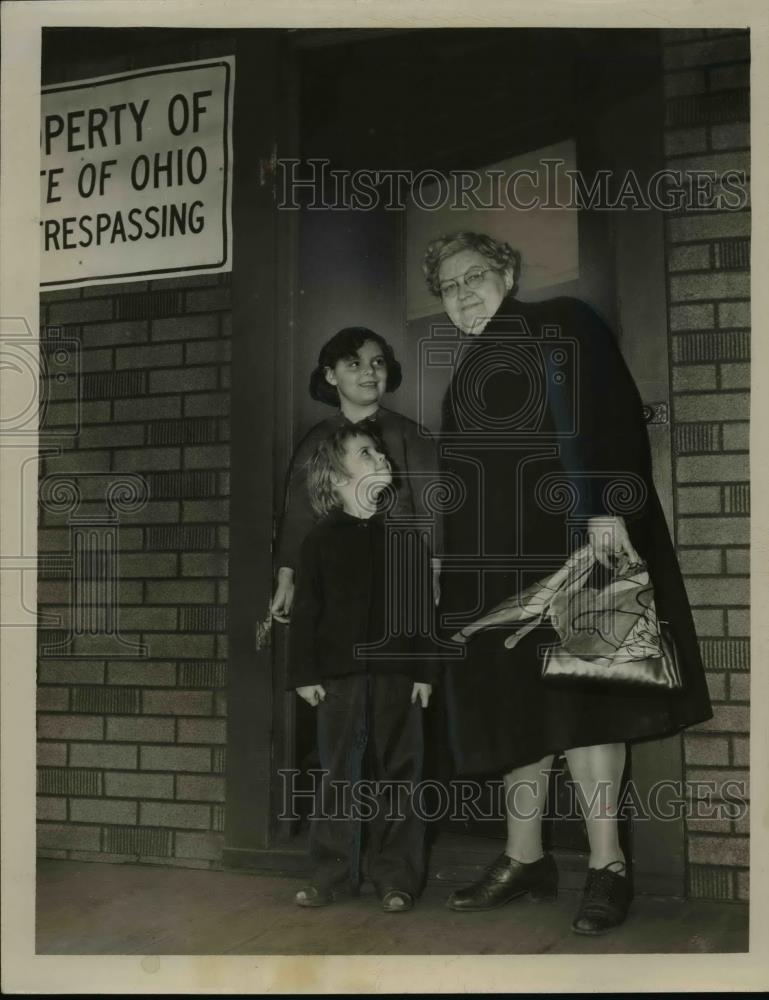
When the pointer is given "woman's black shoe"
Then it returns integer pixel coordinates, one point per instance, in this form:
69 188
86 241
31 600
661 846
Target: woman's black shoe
506 879
605 901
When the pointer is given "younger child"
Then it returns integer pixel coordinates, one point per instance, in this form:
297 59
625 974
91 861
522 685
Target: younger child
361 653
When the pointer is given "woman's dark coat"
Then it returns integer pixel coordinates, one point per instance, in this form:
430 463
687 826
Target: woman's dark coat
542 428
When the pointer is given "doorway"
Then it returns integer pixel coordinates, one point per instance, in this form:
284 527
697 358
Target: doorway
441 101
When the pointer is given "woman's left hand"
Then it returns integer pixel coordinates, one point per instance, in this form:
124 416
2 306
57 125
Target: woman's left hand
608 538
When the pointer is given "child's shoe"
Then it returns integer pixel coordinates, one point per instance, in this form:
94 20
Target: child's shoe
396 900
314 895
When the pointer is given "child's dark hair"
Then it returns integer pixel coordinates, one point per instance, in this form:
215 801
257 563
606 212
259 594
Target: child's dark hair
346 344
327 465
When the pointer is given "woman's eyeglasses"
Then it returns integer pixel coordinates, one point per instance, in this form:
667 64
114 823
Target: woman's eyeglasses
471 279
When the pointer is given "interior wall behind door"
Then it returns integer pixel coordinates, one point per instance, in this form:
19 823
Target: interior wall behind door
350 274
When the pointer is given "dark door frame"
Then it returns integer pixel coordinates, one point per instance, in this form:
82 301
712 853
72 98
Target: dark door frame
260 715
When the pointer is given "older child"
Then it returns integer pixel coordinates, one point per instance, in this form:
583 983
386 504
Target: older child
362 578
355 369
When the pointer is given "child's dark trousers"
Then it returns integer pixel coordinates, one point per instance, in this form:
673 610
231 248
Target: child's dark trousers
368 729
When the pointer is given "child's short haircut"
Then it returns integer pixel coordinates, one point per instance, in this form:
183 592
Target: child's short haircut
327 464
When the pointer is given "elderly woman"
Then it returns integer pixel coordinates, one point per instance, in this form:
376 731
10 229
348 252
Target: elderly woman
541 408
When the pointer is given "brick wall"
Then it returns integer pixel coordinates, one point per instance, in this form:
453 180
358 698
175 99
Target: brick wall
708 259
134 511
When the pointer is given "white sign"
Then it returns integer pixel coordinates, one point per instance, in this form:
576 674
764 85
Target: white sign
136 175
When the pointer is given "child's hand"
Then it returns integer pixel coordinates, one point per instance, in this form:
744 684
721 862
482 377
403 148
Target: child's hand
313 694
283 598
421 691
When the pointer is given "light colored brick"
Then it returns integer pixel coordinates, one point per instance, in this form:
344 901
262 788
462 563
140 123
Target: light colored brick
716 682
708 226
716 285
730 851
714 825
129 332
109 755
741 751
733 314
70 727
185 328
51 754
209 404
96 361
52 699
175 815
156 356
201 352
177 703
149 408
130 785
185 646
197 788
714 163
181 591
111 436
726 783
681 84
727 719
102 811
71 672
734 135
738 621
202 731
712 468
138 674
732 48
686 377
738 560
703 530
712 406
51 807
157 512
205 510
146 459
739 687
208 846
736 436
148 564
68 837
148 619
134 730
679 141
694 561
709 622
184 379
212 456
209 299
712 750
80 311
175 759
727 77
210 564
735 376
722 590
699 499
